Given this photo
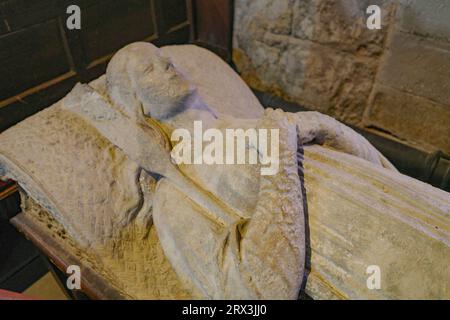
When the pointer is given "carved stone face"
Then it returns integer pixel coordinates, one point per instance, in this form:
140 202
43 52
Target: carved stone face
141 80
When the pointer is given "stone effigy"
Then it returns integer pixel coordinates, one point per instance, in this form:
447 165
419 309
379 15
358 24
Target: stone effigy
98 165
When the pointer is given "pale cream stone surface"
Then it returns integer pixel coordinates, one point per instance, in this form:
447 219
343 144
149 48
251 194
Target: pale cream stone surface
227 253
361 215
393 81
154 240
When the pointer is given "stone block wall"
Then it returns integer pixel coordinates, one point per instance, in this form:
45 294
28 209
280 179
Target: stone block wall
320 54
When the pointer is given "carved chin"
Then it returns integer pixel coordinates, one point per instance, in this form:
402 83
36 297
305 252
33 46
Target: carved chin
163 106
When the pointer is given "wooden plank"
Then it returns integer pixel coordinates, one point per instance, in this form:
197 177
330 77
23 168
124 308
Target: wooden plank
8 191
8 295
214 25
29 102
19 14
30 57
110 25
174 13
42 60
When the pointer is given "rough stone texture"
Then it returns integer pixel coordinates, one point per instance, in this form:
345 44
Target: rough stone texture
419 66
320 54
431 121
102 199
425 18
317 53
137 269
340 24
411 98
334 81
361 211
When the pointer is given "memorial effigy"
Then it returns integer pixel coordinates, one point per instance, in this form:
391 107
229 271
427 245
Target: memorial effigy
99 174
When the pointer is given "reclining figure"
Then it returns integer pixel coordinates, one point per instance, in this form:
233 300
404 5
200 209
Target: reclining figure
158 229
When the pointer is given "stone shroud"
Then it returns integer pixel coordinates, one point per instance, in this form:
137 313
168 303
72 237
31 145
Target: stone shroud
359 214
